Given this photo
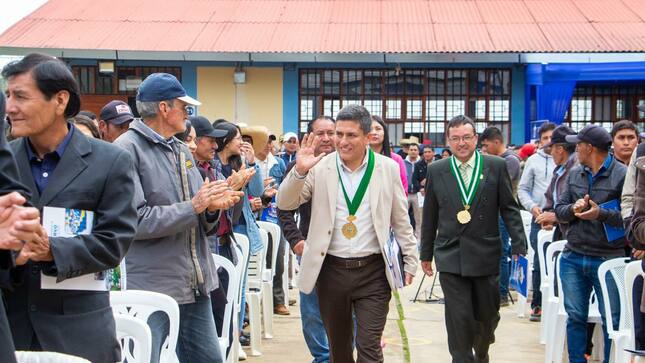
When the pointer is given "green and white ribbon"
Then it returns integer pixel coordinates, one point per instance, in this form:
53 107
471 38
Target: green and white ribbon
468 192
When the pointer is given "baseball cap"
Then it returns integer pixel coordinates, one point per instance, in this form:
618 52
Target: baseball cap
161 87
592 134
559 134
203 127
116 112
289 135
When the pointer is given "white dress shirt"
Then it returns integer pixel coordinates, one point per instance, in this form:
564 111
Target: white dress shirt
365 242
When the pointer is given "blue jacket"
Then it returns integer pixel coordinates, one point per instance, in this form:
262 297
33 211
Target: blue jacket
254 189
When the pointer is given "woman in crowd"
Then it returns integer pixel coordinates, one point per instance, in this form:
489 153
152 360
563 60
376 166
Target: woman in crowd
446 153
233 154
380 144
188 137
85 125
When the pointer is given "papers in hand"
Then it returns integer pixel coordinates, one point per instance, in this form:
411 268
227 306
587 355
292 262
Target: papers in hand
66 222
394 260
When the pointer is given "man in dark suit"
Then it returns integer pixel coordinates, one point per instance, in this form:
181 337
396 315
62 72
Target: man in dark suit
464 194
63 168
13 196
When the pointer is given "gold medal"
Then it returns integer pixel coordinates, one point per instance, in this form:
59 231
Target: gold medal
464 216
349 230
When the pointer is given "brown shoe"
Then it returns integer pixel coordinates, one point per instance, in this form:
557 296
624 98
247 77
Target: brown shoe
280 309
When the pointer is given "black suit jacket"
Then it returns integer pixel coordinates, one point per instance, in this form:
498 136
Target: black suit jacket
473 249
8 183
91 175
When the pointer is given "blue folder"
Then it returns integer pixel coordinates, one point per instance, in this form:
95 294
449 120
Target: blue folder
613 233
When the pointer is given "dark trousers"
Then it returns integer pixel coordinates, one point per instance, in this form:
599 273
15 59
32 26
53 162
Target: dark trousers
537 294
7 351
472 315
364 291
278 291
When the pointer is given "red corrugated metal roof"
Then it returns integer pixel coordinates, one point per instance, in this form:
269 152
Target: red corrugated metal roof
335 26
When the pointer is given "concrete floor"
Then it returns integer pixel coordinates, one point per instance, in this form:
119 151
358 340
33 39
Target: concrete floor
516 339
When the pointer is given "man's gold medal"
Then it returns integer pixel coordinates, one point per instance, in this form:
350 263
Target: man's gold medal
463 216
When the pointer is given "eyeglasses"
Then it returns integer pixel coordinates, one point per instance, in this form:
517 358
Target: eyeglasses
456 139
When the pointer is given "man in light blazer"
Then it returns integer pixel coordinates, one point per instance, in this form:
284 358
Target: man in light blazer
357 199
63 168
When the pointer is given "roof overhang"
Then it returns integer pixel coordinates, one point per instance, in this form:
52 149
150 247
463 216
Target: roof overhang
401 58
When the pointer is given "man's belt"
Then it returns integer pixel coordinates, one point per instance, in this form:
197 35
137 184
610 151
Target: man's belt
354 263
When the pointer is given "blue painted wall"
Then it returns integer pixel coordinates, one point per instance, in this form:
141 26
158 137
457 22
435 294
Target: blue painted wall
290 99
518 105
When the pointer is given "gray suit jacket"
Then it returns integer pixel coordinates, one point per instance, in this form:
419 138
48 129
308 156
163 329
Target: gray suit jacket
473 249
95 176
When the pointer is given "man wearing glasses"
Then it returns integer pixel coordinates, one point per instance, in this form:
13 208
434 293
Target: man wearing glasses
464 194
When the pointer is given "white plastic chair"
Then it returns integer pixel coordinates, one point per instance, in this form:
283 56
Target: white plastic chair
527 219
551 299
47 357
135 339
273 230
231 298
141 304
242 247
559 330
616 267
255 285
632 272
543 238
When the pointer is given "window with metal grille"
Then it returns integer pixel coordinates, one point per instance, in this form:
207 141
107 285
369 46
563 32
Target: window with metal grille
124 81
606 104
413 102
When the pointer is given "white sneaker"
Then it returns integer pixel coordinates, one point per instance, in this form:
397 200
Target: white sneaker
242 354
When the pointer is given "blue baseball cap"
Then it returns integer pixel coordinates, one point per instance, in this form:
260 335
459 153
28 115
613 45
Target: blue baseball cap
162 87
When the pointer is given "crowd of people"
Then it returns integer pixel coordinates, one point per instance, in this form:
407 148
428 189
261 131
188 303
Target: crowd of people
164 190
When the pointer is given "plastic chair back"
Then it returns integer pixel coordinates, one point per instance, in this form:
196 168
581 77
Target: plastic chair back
274 231
231 296
544 238
141 304
256 265
135 339
552 253
47 357
527 219
632 272
616 269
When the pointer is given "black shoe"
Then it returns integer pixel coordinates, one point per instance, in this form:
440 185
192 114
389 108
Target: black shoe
536 314
245 341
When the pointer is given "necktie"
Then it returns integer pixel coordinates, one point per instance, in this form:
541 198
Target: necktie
464 170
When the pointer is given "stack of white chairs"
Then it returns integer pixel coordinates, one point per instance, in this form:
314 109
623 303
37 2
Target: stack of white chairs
551 299
141 304
632 272
231 298
272 230
558 328
619 336
135 339
255 288
544 237
242 248
47 357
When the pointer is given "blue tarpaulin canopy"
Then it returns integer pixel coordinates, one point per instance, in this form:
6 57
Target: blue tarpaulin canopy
554 84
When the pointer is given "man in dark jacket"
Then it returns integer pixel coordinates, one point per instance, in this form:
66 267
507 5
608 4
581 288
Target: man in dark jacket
312 325
14 195
590 205
564 157
465 196
91 182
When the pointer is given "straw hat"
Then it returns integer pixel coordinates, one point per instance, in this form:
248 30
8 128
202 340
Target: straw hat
411 140
259 134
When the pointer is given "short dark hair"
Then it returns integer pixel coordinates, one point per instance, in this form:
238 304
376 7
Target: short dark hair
310 124
87 113
358 114
413 144
623 125
428 147
492 133
51 75
2 109
460 120
546 126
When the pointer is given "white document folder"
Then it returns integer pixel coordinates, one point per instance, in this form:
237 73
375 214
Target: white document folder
66 222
